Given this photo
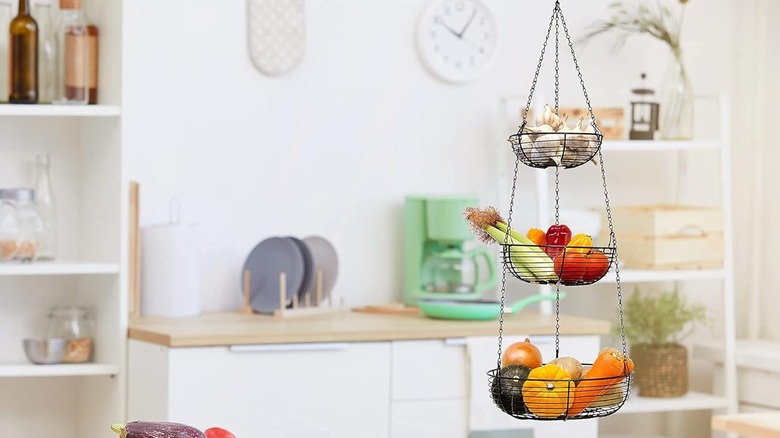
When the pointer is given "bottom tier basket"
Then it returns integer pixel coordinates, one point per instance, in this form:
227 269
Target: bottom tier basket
570 399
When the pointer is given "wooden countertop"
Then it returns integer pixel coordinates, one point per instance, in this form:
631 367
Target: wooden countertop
216 329
755 425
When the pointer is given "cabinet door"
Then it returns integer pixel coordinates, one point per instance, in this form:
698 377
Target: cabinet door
430 369
429 418
286 390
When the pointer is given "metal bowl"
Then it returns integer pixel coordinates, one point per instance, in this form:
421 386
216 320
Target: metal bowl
45 350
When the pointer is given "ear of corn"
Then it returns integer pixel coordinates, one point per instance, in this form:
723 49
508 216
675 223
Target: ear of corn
533 257
514 255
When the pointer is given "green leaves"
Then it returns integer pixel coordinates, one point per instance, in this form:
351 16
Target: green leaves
660 319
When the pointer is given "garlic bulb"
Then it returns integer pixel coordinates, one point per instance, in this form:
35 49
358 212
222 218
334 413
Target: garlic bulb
548 117
549 146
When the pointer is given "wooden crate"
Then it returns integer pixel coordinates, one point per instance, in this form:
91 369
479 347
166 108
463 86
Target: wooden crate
667 236
671 252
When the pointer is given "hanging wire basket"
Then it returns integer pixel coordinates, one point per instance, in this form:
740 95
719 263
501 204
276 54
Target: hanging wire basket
542 149
558 399
551 264
551 392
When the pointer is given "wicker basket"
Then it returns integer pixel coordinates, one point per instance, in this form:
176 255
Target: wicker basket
660 372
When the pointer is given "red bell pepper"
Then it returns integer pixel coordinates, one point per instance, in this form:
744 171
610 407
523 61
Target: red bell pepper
558 236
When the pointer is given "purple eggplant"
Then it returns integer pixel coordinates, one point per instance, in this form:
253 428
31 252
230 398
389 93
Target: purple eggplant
150 429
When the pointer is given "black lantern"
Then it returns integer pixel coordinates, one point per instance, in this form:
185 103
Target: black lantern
644 114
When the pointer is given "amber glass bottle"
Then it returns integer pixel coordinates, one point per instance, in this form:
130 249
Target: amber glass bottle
23 53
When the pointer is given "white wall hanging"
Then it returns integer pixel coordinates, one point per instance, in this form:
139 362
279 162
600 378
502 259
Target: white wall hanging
276 35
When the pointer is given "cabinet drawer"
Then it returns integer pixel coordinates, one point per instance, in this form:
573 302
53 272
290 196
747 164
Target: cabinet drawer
429 418
289 390
430 369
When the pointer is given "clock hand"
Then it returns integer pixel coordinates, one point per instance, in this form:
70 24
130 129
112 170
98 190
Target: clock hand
449 28
468 23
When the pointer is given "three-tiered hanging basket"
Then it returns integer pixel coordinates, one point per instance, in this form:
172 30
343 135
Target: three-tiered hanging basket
552 398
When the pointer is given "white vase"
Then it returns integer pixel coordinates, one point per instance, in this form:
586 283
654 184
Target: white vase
676 102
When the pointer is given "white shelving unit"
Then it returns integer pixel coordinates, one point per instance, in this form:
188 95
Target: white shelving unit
722 351
84 144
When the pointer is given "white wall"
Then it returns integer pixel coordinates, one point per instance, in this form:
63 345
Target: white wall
333 147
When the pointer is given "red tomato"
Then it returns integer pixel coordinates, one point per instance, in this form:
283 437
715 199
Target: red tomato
218 432
570 266
596 264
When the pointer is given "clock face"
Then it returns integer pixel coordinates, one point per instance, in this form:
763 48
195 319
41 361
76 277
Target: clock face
456 39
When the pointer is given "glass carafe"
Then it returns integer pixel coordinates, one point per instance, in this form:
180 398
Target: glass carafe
453 271
44 200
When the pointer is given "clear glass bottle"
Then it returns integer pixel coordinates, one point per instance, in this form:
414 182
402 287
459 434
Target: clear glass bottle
72 54
47 51
44 200
31 229
73 324
6 12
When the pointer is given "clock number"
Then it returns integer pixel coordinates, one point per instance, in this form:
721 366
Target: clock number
459 6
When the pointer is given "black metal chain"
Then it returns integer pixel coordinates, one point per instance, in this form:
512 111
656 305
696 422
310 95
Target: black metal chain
539 65
557 16
577 67
613 243
503 273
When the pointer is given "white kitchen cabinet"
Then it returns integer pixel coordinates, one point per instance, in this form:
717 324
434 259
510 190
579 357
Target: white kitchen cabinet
272 390
429 389
84 146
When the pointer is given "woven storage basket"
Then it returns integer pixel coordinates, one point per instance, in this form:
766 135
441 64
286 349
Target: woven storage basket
660 372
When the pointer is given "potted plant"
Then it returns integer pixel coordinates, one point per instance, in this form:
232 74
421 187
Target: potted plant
655 325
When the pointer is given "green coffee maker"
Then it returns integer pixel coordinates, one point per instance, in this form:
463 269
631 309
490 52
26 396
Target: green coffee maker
436 262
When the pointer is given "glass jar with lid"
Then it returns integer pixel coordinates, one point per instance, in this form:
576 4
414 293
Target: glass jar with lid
31 229
73 324
9 230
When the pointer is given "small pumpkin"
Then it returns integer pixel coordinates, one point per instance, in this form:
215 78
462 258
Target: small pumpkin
548 392
506 389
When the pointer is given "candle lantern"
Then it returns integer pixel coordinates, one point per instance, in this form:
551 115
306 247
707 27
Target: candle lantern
644 113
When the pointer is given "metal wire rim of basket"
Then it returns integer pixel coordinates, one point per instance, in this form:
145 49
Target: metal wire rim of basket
550 264
561 149
540 404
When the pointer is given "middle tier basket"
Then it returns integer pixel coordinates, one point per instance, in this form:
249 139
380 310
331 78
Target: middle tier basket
523 385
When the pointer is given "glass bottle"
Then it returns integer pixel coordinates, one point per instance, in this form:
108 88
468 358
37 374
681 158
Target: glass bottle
73 324
23 49
5 20
72 52
31 229
47 55
44 199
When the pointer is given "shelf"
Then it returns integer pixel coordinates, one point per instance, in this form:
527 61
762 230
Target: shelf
48 110
31 370
757 354
690 402
657 275
656 145
58 268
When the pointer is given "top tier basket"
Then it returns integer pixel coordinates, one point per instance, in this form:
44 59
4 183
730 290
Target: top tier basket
542 393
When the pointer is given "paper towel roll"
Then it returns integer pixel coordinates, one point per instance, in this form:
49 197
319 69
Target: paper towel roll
170 284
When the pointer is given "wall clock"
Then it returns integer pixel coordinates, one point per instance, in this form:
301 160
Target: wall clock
456 39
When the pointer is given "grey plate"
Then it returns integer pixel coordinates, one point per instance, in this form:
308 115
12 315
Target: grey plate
325 260
308 269
264 263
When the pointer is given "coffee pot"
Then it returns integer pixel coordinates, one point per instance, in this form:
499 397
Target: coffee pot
457 272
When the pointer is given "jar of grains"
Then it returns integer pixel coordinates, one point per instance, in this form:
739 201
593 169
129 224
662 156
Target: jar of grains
73 324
